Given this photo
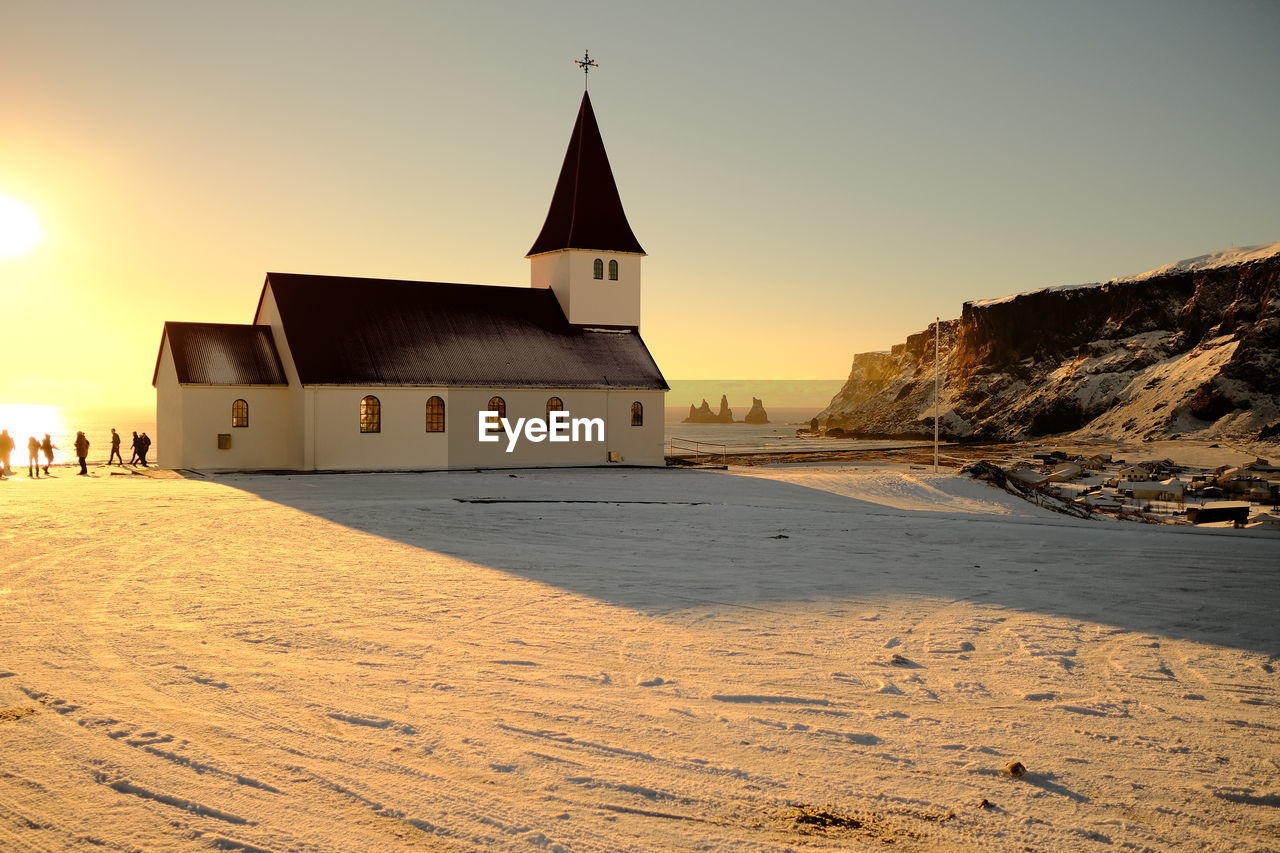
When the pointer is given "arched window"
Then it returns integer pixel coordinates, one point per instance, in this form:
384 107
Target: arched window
435 415
370 415
554 404
499 405
239 414
637 413
613 270
597 270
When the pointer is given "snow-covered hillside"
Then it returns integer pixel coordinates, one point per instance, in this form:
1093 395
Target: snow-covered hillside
1233 257
1192 346
799 658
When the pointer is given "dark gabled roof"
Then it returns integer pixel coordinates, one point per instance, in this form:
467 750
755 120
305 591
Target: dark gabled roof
369 331
586 211
223 354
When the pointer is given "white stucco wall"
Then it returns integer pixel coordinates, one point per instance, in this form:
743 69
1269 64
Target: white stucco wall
642 445
190 417
169 421
270 441
268 314
333 415
584 299
638 445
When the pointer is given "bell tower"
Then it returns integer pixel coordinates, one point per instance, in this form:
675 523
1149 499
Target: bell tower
586 253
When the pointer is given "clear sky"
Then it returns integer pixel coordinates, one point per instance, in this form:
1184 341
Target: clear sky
810 179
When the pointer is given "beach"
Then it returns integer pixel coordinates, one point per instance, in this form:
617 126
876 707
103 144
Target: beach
774 658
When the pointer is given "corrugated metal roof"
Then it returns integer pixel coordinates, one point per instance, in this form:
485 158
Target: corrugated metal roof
365 331
224 354
586 211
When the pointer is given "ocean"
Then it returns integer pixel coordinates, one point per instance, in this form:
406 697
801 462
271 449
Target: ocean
62 423
778 434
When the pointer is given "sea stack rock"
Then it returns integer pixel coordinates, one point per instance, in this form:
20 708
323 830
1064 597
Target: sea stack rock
701 415
757 415
726 414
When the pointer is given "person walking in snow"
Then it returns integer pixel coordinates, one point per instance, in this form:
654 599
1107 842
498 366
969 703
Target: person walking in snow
115 447
133 460
82 451
48 447
144 444
6 451
33 457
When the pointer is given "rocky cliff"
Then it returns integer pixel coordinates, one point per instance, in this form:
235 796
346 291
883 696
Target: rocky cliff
1190 347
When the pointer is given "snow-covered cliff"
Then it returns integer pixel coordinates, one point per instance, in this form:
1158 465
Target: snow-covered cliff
1192 346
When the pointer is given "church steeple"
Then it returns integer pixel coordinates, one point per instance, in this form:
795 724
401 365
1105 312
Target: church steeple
586 211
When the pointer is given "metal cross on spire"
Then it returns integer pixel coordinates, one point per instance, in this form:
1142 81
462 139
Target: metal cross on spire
586 63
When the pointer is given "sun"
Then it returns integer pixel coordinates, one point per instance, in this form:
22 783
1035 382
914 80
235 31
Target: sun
20 230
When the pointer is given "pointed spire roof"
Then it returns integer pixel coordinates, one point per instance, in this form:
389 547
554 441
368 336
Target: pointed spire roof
586 211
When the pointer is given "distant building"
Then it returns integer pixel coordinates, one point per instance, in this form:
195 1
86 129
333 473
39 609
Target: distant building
1030 476
1219 511
1097 462
1172 489
1063 473
342 373
1263 470
1099 500
1265 520
1250 488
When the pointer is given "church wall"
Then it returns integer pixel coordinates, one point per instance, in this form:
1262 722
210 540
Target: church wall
612 303
638 445
269 315
270 441
403 442
169 430
641 445
584 299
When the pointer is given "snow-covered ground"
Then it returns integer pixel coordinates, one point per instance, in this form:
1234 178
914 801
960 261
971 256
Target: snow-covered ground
678 660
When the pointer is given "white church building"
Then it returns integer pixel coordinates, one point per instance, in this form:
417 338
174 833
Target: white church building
341 373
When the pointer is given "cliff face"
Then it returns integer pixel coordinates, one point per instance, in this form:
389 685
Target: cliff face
1191 347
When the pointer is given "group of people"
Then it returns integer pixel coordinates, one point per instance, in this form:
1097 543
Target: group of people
141 445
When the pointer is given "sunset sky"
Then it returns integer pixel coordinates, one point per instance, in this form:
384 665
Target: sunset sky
811 180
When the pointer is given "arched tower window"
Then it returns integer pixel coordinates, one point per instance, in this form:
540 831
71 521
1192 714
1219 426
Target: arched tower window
597 268
240 413
637 413
435 414
554 404
370 415
613 270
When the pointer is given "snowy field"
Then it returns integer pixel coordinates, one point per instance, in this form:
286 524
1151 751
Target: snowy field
680 660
